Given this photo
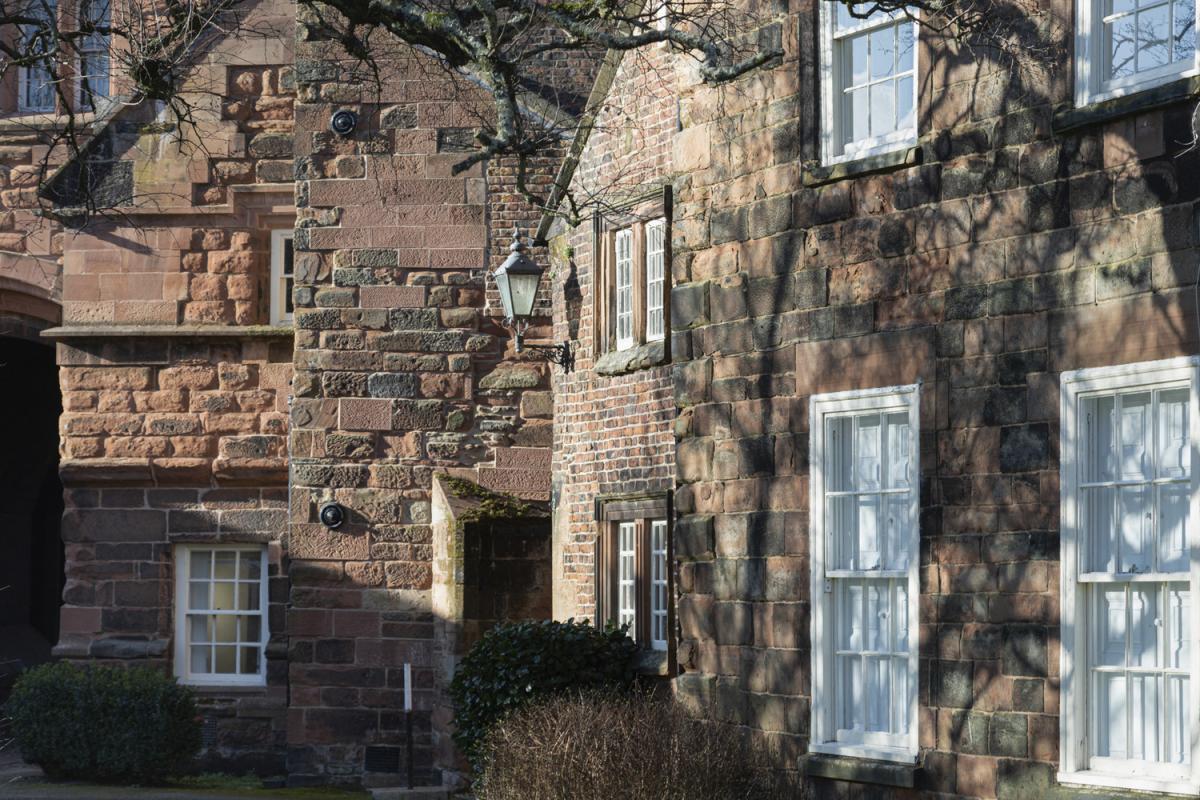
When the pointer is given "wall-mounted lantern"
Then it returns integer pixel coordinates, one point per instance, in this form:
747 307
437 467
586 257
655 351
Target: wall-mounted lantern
517 280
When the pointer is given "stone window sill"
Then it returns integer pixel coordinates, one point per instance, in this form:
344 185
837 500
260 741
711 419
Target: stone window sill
883 162
1072 118
859 770
619 362
214 690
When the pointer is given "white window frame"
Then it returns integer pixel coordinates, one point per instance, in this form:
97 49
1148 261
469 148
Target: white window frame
824 691
26 74
656 279
1090 53
833 150
95 45
627 575
659 598
623 285
1074 766
278 292
183 565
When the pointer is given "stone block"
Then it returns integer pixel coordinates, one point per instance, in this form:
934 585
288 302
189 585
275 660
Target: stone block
364 415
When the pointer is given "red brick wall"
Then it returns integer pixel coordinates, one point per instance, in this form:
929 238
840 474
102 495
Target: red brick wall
613 433
119 597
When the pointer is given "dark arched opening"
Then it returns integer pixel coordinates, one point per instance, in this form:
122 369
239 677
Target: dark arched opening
31 505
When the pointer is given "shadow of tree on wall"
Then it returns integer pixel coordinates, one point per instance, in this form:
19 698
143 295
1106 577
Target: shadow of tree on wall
1024 242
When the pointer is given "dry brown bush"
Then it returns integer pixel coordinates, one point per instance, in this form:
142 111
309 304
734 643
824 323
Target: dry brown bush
595 747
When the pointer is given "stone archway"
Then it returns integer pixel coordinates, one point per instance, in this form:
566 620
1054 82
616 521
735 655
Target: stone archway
31 501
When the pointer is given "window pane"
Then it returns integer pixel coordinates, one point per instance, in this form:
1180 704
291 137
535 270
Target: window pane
1174 454
867 555
226 628
839 460
883 53
906 48
249 665
1178 626
1136 529
224 565
1144 624
850 673
1098 521
896 528
867 461
197 595
1135 437
1100 456
1120 6
226 660
1111 714
248 566
1144 710
859 124
899 452
1122 39
883 108
851 623
900 692
1154 38
1173 511
248 594
1178 712
201 564
879 693
904 104
1184 31
900 615
199 628
222 596
1111 619
201 661
250 629
856 49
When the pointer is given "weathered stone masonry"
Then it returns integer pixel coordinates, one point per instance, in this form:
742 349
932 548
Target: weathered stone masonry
175 388
402 373
1017 241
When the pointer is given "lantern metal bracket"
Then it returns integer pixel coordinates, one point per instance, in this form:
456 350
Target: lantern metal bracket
560 354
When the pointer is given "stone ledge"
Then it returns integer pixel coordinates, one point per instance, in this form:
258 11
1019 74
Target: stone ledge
1071 118
653 663
619 362
169 331
883 162
859 770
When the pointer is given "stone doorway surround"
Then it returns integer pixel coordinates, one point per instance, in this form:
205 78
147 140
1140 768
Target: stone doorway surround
462 509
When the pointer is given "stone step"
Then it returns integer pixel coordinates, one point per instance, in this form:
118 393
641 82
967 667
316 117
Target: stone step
417 793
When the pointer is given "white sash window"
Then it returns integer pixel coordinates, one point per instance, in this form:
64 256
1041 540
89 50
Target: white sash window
868 82
221 614
865 489
1127 46
1129 576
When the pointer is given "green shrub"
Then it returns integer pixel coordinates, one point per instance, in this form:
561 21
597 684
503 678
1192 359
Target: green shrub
517 662
622 747
104 723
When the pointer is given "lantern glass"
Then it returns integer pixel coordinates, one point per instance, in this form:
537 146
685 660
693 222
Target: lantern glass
518 293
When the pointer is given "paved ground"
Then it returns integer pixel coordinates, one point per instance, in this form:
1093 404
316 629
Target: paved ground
20 781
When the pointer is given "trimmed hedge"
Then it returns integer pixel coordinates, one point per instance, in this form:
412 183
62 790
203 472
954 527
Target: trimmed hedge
623 747
515 663
104 723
